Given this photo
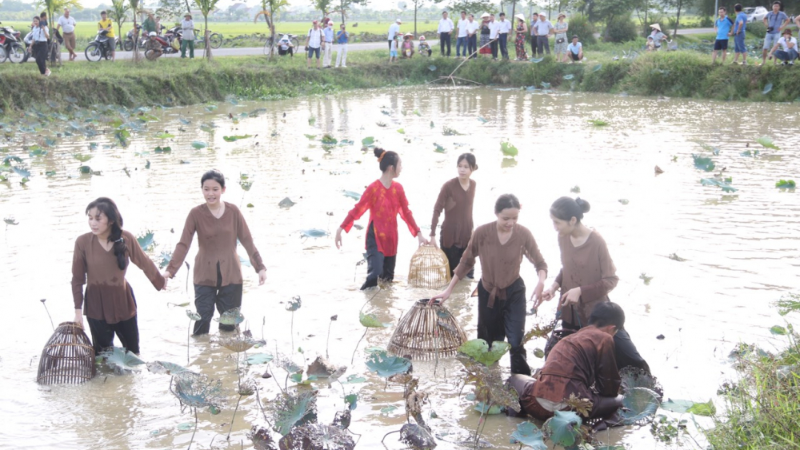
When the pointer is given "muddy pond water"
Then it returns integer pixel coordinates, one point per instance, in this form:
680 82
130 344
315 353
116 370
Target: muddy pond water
741 249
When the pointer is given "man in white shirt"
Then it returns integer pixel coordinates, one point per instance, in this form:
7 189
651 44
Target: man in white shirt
543 30
788 51
461 40
534 38
494 31
68 24
472 37
394 30
504 27
445 29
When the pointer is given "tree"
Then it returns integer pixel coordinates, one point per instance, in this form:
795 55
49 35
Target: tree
476 7
57 6
326 6
343 6
678 5
205 6
172 9
268 9
134 9
118 13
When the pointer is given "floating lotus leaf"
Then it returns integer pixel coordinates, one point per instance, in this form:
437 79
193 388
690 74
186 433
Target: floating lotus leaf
417 437
703 163
292 410
766 142
438 148
703 409
82 158
232 316
235 138
370 321
482 120
286 203
354 379
162 150
481 407
287 364
199 144
401 131
193 315
313 233
317 436
677 406
786 184
86 170
723 184
122 137
354 195
563 428
528 434
598 123
294 304
146 240
778 330
121 359
239 343
164 136
259 358
644 277
368 141
387 365
478 350
197 391
508 149
165 368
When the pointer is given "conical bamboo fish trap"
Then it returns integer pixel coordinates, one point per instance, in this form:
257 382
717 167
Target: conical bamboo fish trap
427 332
429 268
68 357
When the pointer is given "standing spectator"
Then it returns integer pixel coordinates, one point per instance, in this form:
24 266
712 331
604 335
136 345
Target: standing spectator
739 27
504 27
107 25
424 48
327 45
461 39
39 37
494 33
657 35
393 49
522 31
775 21
534 37
560 29
187 39
313 42
394 30
543 30
575 50
43 19
788 52
149 24
486 31
722 27
68 23
342 37
472 37
445 29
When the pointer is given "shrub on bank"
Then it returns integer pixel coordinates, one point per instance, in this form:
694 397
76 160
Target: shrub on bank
579 25
620 29
757 29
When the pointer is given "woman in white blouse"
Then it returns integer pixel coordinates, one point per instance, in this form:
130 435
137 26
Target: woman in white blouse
39 37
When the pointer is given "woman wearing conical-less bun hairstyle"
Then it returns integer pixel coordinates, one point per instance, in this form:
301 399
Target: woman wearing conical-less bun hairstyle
587 275
384 198
455 199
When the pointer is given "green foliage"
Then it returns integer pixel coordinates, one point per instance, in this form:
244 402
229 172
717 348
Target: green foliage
386 365
724 184
232 316
197 391
166 368
788 303
703 163
508 149
294 304
620 29
370 321
290 410
121 359
786 184
483 408
146 240
478 350
563 428
766 142
703 409
580 26
528 434
199 144
235 138
640 405
757 29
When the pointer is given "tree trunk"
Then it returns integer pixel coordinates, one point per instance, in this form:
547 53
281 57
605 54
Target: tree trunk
271 24
207 44
677 19
646 9
136 56
513 11
415 18
188 9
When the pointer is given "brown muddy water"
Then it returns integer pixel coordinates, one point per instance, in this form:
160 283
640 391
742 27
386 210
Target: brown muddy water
741 248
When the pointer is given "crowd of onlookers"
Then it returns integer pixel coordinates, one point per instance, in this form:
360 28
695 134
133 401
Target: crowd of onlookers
779 44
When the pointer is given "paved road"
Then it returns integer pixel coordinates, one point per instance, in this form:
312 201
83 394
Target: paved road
248 51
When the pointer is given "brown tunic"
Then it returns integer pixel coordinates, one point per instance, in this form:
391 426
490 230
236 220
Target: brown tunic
107 295
500 263
576 363
457 206
589 267
217 241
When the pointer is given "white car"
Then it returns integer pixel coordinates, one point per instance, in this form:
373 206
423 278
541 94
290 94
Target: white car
756 14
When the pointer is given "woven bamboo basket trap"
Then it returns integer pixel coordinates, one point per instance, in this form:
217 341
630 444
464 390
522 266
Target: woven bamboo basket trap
67 358
429 268
427 332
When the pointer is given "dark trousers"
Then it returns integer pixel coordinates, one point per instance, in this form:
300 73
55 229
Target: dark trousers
378 266
390 45
543 42
461 43
207 297
454 257
504 45
444 39
573 56
534 45
493 46
505 320
40 54
472 46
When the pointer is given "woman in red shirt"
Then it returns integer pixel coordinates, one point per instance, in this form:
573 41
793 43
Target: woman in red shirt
384 199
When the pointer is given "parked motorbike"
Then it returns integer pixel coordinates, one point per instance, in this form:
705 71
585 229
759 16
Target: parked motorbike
10 44
127 44
100 47
167 45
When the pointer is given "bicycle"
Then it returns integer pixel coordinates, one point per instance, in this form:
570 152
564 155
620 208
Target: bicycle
214 39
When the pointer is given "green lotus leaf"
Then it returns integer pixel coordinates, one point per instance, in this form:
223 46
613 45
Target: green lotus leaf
528 434
165 368
294 304
351 194
478 350
232 316
193 315
786 184
677 406
164 135
508 149
235 138
199 144
387 365
370 321
120 359
766 142
354 379
494 410
259 358
564 428
291 410
146 240
368 141
703 163
703 409
640 405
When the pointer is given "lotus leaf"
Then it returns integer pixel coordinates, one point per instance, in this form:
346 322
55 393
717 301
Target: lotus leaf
186 426
438 148
478 350
165 135
703 409
342 419
597 68
432 68
121 359
766 142
482 120
197 391
294 304
786 184
387 365
370 321
82 158
545 85
677 406
489 385
193 315
639 406
401 131
162 150
259 358
164 259
778 330
292 410
122 137
235 138
508 149
37 152
703 163
232 316
313 233
564 428
598 123
494 410
199 144
624 201
165 368
569 76
368 141
146 240
286 203
23 172
354 379
725 185
317 436
645 278
246 185
767 89
417 437
354 195
239 343
528 434
388 410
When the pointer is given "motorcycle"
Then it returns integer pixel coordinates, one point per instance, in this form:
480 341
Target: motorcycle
10 44
166 44
127 44
100 47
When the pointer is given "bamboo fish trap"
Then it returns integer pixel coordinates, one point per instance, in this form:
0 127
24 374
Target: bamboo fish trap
427 332
429 268
67 358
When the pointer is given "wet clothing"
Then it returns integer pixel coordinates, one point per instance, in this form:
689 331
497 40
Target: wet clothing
108 297
457 226
379 267
223 297
506 319
103 334
588 266
216 238
383 204
500 263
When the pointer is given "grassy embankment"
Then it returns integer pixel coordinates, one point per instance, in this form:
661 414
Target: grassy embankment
175 81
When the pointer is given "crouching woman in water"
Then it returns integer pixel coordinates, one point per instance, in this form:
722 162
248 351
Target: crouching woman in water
501 292
217 270
384 199
578 363
101 261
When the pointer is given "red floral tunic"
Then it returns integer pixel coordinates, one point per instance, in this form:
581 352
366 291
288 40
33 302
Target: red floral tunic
384 205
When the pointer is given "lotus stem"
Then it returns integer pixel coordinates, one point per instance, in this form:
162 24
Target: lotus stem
233 418
188 340
482 421
291 330
327 340
359 341
46 310
195 429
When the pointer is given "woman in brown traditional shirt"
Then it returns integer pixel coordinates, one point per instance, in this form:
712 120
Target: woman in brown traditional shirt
587 275
501 292
456 198
100 261
217 270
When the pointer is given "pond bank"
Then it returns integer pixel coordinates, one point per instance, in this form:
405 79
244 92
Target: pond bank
176 82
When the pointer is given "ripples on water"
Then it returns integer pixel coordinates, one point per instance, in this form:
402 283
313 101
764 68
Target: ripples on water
741 249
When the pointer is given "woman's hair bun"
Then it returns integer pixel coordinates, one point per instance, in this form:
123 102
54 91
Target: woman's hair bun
378 152
583 204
